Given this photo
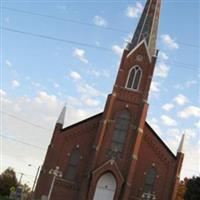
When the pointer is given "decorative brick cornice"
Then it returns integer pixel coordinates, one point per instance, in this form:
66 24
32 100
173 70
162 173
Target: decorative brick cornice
84 129
157 151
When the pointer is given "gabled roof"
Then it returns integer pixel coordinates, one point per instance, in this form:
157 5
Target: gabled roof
101 114
83 121
161 141
138 45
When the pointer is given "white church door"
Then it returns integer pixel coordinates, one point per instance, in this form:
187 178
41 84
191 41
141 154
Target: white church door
106 186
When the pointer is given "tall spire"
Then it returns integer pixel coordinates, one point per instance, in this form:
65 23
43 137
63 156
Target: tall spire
148 26
61 117
180 148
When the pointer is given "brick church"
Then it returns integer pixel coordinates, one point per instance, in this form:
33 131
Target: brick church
116 155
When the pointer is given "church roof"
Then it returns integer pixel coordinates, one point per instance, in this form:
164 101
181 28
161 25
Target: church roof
147 27
99 115
83 121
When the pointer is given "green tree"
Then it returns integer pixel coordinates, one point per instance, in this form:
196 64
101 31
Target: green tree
7 180
192 189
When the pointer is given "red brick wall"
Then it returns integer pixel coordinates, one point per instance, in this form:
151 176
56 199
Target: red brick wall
154 153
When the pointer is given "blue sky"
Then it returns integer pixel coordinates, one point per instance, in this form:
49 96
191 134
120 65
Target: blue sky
39 75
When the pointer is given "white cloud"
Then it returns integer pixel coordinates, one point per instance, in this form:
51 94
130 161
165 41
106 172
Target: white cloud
99 72
75 75
162 70
181 99
155 86
15 83
134 11
188 84
169 42
167 106
80 55
88 90
198 124
90 102
154 124
117 50
43 97
191 159
163 56
3 97
43 110
190 111
8 63
99 21
3 93
128 38
168 121
56 85
185 85
190 133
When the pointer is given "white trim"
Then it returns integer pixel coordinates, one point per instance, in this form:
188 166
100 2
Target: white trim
131 88
147 49
153 24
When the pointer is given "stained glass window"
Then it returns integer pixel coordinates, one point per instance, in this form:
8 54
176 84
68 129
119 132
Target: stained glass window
134 78
150 180
120 131
73 165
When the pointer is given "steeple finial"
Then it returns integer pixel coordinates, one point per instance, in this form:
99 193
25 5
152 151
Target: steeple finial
61 117
147 27
180 148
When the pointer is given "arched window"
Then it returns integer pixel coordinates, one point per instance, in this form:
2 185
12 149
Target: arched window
72 165
150 180
120 131
134 78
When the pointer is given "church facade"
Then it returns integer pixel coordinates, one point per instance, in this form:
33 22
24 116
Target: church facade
116 155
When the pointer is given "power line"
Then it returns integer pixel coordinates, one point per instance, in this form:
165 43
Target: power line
22 142
55 39
83 23
77 43
177 64
25 121
66 20
186 64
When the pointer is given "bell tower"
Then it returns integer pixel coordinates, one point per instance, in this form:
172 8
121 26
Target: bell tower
121 130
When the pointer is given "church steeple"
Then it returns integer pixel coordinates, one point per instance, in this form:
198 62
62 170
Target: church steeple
181 145
147 27
61 117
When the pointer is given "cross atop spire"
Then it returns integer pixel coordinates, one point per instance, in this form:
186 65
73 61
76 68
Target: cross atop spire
147 27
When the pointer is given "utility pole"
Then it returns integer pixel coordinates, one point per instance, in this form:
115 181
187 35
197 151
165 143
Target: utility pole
21 175
56 173
34 183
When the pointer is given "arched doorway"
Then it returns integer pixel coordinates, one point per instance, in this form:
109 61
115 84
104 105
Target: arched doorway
106 186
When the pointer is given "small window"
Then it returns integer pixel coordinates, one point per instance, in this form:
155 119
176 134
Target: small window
150 180
134 78
121 129
73 165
